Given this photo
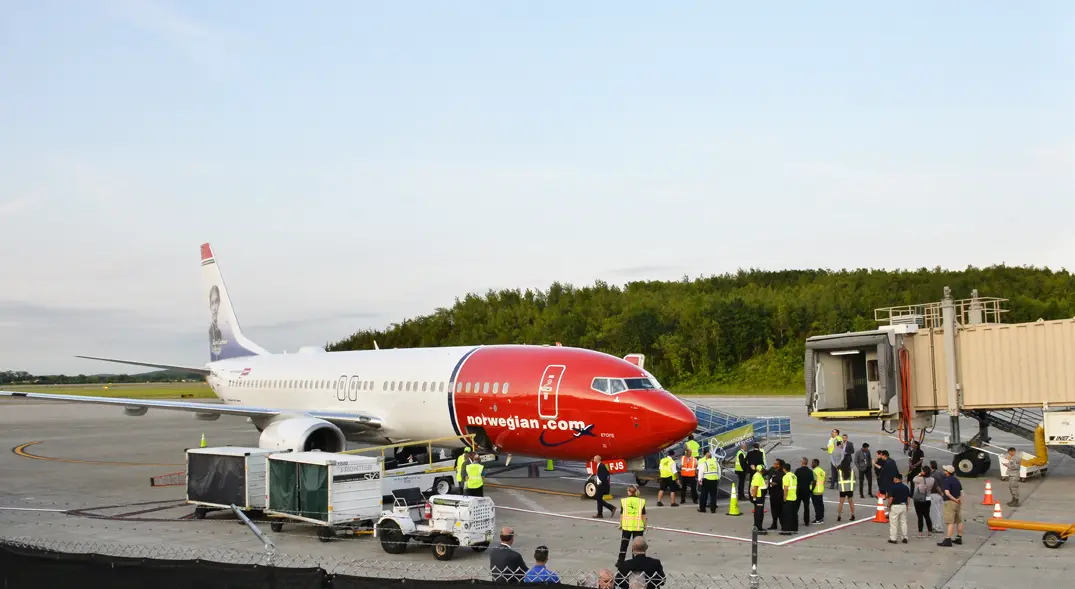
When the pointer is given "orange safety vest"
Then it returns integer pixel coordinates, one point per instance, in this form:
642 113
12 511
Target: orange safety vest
689 466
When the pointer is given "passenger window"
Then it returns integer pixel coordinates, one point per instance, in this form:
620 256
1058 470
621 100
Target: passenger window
442 386
458 387
496 387
485 389
504 391
600 384
424 385
468 387
616 385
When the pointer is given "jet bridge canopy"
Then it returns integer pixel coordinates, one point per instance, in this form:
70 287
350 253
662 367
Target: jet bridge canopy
847 375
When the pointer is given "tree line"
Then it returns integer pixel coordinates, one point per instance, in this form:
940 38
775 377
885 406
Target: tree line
746 329
20 377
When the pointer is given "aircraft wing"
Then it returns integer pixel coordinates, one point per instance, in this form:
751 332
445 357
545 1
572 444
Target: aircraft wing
192 369
340 418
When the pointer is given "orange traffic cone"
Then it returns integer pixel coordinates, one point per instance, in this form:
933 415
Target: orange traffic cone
997 515
880 517
988 499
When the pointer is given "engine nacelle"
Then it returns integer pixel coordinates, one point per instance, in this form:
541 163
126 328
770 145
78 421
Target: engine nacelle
302 434
135 411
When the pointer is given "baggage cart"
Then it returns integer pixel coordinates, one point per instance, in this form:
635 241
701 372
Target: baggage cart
330 490
218 478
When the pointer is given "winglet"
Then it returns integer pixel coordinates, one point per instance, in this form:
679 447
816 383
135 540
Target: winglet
207 252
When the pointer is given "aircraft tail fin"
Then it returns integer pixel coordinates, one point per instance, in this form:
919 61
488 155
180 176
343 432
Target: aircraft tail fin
226 339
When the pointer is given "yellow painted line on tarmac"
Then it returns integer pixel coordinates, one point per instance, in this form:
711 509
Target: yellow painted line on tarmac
534 490
21 451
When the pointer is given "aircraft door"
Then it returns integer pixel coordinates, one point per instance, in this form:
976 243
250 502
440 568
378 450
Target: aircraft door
549 391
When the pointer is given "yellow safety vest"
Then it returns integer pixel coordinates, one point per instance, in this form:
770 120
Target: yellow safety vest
712 470
758 481
832 445
846 485
667 464
792 483
738 455
459 467
819 481
692 446
474 475
631 514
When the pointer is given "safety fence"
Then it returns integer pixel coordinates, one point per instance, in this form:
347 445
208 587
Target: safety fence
28 563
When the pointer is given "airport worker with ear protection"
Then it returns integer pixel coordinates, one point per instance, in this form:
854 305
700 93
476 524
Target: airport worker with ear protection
459 463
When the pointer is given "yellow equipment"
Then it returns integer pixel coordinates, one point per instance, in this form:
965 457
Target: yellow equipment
1041 452
1055 534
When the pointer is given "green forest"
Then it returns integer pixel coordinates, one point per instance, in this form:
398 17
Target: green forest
742 332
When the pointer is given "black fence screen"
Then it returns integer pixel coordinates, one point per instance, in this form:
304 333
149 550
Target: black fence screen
34 568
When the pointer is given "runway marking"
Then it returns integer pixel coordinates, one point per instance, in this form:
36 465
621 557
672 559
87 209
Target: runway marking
150 510
820 532
21 451
32 509
585 480
534 490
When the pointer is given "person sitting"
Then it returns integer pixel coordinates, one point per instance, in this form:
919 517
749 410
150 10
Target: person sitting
539 573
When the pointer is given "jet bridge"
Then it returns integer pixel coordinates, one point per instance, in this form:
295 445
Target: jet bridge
953 356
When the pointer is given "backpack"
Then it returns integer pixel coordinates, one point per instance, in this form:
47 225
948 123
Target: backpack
920 494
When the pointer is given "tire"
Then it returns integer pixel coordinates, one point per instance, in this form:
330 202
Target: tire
589 491
392 539
444 547
199 512
276 527
1052 540
480 547
640 482
326 534
443 486
971 463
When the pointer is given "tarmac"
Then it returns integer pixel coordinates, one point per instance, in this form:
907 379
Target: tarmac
82 473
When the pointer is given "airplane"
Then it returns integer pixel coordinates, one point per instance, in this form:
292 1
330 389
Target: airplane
553 402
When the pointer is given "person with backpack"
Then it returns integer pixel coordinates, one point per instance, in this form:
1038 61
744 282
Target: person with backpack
924 486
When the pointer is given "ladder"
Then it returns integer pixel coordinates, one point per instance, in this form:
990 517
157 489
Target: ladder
1016 421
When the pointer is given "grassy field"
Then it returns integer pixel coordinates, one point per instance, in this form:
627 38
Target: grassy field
164 390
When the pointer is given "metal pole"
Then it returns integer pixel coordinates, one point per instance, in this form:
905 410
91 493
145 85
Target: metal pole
270 548
754 557
948 312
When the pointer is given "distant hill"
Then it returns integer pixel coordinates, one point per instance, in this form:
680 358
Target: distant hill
746 329
22 377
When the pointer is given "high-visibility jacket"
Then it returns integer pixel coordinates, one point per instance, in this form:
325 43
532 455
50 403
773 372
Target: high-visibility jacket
692 447
739 455
631 514
848 484
792 483
712 469
689 466
819 481
459 467
474 475
668 467
758 481
832 445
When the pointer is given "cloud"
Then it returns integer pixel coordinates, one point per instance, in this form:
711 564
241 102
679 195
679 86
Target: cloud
161 19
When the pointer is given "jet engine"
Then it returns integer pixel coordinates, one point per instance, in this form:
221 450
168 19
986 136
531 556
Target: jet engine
302 434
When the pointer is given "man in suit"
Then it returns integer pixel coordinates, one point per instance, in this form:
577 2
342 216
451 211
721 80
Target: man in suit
648 568
506 565
604 487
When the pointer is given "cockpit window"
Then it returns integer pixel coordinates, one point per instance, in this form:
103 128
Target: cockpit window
600 384
639 384
616 386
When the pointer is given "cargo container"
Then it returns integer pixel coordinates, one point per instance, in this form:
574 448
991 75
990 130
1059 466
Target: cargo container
326 489
954 356
218 478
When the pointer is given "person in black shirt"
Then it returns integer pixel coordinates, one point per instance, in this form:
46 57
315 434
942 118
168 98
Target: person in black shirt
805 491
899 497
755 457
604 487
918 458
776 494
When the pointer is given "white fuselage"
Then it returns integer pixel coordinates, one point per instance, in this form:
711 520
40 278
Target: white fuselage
407 388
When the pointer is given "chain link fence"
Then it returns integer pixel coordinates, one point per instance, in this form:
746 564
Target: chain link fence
376 573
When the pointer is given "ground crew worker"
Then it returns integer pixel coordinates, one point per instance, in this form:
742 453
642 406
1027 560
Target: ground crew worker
688 467
710 474
668 478
776 493
818 491
632 520
847 490
741 469
834 437
692 447
757 496
475 484
1015 463
459 462
790 513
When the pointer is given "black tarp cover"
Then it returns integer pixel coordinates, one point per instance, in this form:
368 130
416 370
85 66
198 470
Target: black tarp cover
216 479
298 488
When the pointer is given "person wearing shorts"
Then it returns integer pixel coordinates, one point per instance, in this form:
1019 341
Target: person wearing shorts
846 483
953 506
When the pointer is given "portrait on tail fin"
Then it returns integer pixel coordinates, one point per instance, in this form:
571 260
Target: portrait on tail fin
216 337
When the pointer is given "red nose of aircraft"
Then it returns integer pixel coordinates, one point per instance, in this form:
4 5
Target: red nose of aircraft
670 420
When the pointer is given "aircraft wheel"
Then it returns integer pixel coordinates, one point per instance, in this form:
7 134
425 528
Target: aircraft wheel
640 482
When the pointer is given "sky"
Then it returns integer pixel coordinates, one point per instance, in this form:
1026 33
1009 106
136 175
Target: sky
357 163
